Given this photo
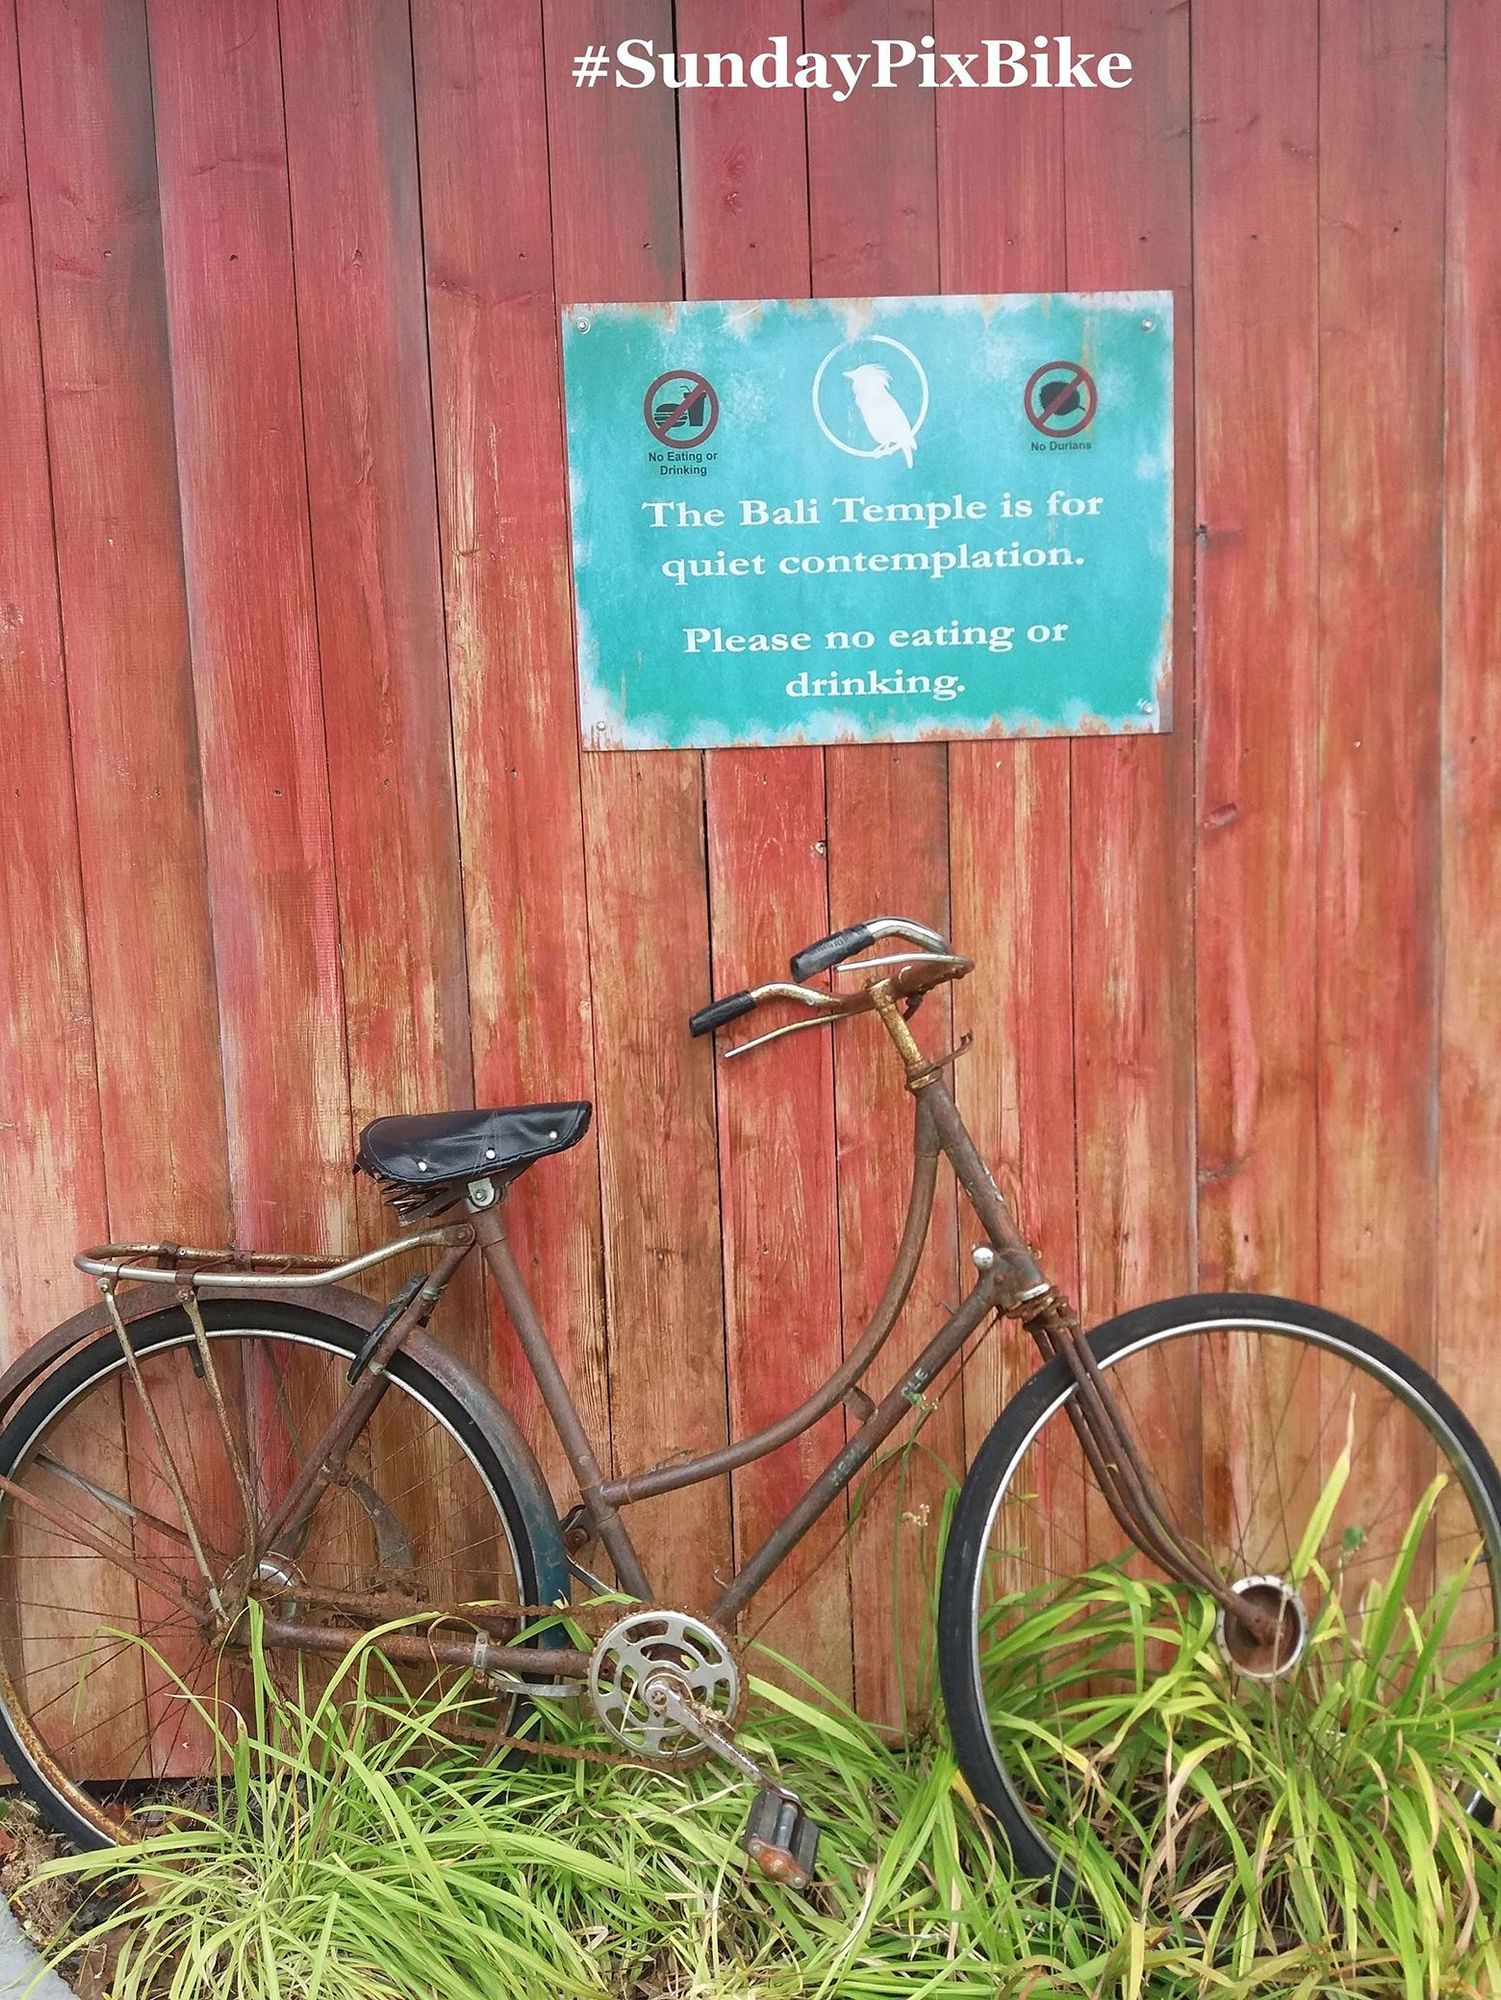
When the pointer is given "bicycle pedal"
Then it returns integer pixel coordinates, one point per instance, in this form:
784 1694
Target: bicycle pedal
781 1839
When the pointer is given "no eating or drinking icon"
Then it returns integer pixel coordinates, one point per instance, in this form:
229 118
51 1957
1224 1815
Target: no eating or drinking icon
681 409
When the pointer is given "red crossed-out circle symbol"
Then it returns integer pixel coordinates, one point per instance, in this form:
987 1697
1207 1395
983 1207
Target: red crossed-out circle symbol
685 401
1060 399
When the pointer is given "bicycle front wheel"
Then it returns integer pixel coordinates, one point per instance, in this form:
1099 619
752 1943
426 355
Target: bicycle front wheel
135 1495
1128 1734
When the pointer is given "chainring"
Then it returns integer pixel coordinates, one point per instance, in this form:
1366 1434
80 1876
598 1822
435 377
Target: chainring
698 1660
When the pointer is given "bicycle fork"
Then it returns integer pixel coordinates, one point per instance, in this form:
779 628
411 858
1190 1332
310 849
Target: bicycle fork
1025 1294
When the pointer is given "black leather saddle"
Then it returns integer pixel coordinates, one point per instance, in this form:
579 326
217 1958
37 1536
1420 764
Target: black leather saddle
445 1148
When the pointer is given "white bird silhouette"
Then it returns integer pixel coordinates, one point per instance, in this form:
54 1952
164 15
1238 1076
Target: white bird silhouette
885 419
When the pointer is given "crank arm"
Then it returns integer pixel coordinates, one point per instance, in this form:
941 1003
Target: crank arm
779 1836
663 1698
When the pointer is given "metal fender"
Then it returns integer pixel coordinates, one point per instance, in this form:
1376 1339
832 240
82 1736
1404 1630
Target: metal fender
342 1303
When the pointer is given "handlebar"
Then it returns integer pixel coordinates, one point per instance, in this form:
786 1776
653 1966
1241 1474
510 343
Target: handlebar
720 1013
840 945
915 974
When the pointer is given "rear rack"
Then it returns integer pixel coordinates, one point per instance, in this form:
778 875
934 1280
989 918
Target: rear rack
177 1264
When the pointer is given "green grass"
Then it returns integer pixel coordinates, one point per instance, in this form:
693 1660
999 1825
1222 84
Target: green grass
357 1854
1332 1809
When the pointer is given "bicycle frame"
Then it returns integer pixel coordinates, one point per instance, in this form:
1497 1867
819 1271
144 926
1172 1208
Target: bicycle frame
1007 1279
1009 1282
1007 1276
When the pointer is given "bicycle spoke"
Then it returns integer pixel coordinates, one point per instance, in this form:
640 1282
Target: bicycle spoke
169 1466
1076 1645
135 1480
117 1504
113 1553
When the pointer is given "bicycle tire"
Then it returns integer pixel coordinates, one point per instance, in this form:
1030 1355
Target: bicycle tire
514 1489
1045 1395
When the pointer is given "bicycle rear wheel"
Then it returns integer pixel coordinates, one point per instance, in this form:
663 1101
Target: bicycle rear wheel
114 1684
1120 1728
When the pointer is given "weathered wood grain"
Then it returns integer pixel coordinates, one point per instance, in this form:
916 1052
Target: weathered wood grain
1469 1225
874 222
778 1188
1256 351
367 419
744 165
1470 1103
745 229
614 179
368 431
102 313
1002 229
1127 163
238 404
51 1170
102 306
1381 119
492 334
52 1190
1256 332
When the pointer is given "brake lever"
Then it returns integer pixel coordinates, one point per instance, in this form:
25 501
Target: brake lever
826 1008
775 1035
902 958
914 1000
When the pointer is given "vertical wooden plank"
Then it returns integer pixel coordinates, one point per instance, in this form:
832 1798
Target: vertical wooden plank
1255 345
1380 514
1469 1239
779 1190
616 236
1470 1110
51 1174
1256 350
745 221
1127 162
874 222
744 162
352 160
222 158
368 428
498 426
52 1191
1009 802
87 88
103 319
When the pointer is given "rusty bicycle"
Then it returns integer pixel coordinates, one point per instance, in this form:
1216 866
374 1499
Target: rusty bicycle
227 1429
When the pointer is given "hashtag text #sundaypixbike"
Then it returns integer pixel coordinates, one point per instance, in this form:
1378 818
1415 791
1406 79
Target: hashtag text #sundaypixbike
1048 62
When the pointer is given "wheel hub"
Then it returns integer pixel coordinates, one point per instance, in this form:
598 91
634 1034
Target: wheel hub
1272 1658
240 1582
648 1651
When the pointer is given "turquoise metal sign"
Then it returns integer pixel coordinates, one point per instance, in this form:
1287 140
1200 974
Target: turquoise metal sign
862 520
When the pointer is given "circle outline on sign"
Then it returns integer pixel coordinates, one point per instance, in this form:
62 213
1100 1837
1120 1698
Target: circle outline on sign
1080 374
884 340
703 383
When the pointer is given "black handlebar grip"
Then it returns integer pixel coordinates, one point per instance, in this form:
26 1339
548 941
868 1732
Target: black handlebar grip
720 1013
831 950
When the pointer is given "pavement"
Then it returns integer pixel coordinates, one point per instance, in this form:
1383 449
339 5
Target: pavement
18 1965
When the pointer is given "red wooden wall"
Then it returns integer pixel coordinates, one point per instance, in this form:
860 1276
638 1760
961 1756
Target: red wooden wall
296 824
